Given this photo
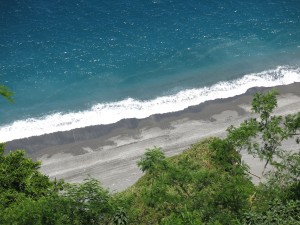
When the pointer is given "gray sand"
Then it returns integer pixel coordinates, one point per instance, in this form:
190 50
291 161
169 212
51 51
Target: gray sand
109 153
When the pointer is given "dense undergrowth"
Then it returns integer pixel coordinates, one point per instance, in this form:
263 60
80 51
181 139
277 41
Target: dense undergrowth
206 184
191 188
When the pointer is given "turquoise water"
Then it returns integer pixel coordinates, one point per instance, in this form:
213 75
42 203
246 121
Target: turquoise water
78 63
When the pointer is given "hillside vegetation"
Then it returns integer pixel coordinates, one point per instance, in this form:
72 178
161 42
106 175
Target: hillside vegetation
190 188
206 184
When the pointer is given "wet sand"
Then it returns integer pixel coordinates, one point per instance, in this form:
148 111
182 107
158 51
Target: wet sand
109 152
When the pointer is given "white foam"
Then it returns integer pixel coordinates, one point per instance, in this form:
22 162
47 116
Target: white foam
106 113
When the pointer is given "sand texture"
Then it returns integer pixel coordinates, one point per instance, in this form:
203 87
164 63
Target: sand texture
110 152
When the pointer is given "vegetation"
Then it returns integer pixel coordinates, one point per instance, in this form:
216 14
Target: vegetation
206 184
191 188
6 93
28 197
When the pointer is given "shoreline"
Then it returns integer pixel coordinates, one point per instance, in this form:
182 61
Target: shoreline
109 152
106 113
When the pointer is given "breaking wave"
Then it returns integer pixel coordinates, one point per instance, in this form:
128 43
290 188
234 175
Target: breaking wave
107 113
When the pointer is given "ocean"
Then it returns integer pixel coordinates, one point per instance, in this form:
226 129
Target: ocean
79 63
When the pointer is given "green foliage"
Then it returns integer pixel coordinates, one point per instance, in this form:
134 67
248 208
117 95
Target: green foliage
274 201
287 170
23 189
20 178
185 217
6 93
87 203
277 213
192 188
29 197
263 136
292 122
224 154
152 160
264 104
45 210
120 217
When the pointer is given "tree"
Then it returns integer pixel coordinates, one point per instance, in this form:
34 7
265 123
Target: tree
277 199
20 178
263 136
152 160
88 203
25 193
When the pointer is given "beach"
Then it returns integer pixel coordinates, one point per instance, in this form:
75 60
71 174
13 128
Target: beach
110 152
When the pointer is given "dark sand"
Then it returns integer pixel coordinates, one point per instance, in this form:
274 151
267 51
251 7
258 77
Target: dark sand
109 152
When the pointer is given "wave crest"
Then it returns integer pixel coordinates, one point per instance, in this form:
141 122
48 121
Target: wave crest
107 113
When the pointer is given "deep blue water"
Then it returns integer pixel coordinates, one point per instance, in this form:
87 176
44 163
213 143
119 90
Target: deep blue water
68 56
